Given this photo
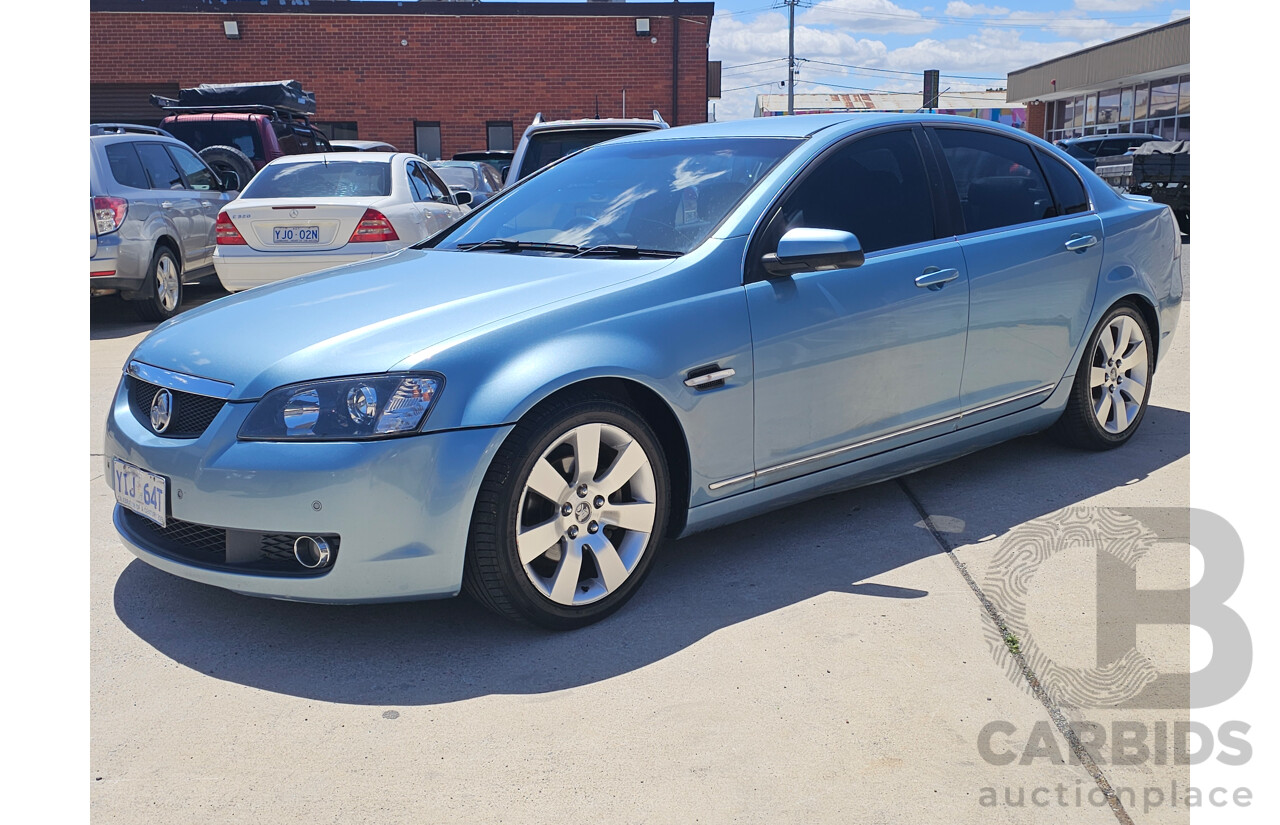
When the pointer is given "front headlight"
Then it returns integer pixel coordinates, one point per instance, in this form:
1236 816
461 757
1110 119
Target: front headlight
343 409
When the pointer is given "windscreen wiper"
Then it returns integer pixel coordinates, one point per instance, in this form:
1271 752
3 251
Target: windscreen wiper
510 245
626 250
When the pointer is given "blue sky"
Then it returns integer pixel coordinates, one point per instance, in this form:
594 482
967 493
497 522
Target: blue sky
868 45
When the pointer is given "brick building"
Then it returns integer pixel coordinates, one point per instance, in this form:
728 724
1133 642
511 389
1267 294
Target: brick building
434 77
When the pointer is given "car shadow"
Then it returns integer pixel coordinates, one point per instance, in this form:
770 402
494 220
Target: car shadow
110 316
445 651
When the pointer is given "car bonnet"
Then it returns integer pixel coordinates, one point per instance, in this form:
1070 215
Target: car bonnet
368 317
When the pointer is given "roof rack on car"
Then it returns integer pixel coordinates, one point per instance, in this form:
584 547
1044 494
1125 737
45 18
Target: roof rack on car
171 105
125 129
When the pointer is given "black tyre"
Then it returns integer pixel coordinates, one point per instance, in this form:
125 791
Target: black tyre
233 166
1111 388
162 290
569 516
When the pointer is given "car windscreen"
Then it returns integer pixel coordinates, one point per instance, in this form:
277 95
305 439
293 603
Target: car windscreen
665 195
459 176
201 134
544 147
336 178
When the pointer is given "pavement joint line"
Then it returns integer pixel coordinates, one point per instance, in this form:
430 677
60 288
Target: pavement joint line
1055 712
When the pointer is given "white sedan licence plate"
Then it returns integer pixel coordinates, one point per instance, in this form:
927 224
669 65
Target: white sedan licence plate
296 234
140 491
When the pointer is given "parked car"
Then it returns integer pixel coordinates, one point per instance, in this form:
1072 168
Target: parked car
238 128
1088 149
660 335
152 207
308 212
480 179
361 146
499 159
545 141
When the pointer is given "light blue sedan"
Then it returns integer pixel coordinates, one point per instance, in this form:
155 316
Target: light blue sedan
659 335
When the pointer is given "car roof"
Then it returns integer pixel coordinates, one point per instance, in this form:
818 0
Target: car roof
1116 136
362 144
803 126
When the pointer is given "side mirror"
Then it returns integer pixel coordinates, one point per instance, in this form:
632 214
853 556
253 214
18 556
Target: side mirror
223 183
462 197
813 250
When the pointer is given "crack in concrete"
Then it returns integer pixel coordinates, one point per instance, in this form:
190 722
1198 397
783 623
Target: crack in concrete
1055 712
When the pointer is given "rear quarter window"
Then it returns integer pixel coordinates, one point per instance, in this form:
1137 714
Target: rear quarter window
125 166
1069 194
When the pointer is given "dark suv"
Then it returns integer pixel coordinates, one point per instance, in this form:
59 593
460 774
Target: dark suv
238 128
1087 150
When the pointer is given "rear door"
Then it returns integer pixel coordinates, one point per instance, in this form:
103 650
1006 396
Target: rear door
432 197
180 205
200 180
1033 264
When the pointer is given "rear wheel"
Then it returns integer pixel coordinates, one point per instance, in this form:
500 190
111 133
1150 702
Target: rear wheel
1109 396
162 290
569 515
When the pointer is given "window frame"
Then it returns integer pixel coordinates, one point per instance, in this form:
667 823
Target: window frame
165 152
753 270
953 194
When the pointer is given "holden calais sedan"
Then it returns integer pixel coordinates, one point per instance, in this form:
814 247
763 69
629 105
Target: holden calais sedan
303 213
659 335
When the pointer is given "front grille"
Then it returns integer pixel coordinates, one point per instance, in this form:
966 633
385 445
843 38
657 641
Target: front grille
245 551
191 414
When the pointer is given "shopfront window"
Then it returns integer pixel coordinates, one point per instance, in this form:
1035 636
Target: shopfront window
1109 108
1164 99
1184 97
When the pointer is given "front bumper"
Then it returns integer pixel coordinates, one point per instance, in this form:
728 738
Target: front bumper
242 267
402 507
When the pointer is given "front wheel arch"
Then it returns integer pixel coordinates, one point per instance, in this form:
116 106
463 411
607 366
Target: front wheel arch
658 415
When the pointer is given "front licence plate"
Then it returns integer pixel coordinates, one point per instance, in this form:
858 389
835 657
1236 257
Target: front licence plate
140 491
296 234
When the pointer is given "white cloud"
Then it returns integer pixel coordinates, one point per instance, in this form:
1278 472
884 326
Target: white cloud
1113 5
867 16
962 9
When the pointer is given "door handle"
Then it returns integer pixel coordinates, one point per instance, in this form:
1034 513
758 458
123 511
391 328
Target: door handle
205 204
1079 243
166 204
934 278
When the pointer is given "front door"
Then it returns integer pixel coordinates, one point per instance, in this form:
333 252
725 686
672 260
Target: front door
852 362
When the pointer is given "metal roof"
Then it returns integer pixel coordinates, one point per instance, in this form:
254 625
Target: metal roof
1148 55
877 102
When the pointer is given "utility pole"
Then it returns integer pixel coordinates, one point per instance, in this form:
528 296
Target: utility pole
791 57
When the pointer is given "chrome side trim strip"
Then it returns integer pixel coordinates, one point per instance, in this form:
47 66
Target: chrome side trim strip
828 453
182 382
716 485
1009 400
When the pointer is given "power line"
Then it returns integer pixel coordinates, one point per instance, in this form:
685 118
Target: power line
900 71
1066 22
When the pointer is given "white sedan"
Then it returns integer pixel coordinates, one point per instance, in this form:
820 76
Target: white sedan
303 213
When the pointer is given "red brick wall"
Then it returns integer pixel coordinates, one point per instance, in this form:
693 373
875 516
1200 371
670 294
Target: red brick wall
1035 118
461 71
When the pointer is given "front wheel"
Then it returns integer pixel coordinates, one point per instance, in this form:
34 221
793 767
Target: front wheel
569 515
162 290
1109 396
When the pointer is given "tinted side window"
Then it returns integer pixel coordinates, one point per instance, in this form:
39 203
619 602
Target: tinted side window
198 175
438 189
997 179
125 166
418 183
1068 192
160 167
875 188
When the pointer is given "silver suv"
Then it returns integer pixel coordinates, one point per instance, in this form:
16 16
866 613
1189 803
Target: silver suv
549 140
152 207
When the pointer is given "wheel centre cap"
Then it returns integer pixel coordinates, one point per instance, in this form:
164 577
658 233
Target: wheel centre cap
582 512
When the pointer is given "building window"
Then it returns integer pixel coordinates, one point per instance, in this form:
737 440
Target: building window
1126 108
1164 99
1184 96
499 135
426 139
1184 128
338 129
1090 110
1109 108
